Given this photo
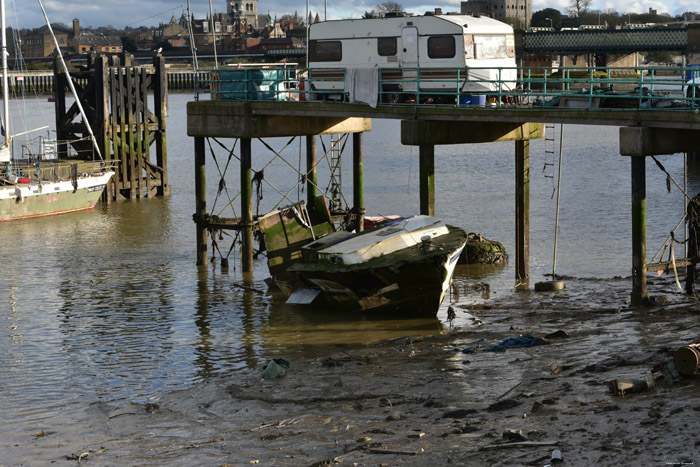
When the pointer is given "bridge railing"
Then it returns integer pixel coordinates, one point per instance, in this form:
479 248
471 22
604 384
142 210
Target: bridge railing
542 87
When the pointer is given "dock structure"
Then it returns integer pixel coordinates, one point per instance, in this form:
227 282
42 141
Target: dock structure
114 94
643 134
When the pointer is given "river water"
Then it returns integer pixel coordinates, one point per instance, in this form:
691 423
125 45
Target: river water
108 305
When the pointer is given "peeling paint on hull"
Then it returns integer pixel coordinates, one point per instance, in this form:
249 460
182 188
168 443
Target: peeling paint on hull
50 198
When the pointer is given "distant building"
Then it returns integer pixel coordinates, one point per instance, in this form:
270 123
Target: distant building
244 11
86 43
172 29
38 43
517 12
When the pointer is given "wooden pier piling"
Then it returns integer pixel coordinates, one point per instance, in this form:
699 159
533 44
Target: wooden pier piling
311 173
426 176
200 192
246 206
522 214
358 188
114 94
639 231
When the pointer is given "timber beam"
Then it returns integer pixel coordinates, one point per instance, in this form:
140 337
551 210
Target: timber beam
238 121
651 141
432 132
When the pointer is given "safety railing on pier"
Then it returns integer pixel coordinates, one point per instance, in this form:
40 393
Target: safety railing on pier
50 171
542 87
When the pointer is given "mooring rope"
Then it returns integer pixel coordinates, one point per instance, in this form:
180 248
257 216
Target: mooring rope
669 177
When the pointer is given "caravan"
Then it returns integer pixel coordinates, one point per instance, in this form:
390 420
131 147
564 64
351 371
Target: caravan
437 57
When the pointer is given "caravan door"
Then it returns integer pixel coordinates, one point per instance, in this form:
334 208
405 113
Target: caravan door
409 58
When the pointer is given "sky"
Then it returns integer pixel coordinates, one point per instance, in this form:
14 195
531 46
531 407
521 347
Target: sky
135 13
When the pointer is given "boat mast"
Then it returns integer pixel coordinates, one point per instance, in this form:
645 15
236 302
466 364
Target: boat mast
70 81
5 92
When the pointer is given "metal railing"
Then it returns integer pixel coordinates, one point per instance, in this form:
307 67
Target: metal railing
55 171
577 88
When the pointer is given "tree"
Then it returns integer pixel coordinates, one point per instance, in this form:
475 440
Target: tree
129 44
541 18
384 8
578 9
390 7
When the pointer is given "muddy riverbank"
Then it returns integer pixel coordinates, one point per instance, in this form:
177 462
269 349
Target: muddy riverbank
446 399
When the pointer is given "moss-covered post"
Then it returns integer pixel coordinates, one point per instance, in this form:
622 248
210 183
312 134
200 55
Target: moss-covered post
358 197
246 206
639 231
427 179
200 192
160 93
311 177
522 214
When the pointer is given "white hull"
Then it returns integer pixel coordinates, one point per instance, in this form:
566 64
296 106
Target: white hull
36 199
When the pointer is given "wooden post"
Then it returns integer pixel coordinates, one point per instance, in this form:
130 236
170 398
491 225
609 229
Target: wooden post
427 179
59 92
246 206
160 87
200 190
522 214
129 103
102 117
311 175
640 295
358 198
123 148
143 131
138 129
118 177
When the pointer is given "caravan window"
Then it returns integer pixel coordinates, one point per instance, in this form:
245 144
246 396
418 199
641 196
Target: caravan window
325 51
386 46
490 47
441 47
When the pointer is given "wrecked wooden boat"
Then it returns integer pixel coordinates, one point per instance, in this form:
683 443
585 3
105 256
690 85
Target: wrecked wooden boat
403 267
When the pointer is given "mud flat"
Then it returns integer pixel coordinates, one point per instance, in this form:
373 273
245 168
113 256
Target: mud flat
447 399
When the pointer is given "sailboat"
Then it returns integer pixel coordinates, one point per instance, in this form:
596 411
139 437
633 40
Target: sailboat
36 187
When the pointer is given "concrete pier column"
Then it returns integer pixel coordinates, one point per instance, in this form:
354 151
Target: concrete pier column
358 187
522 215
427 179
246 207
311 176
639 231
200 191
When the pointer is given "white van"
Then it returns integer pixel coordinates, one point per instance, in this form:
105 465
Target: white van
449 55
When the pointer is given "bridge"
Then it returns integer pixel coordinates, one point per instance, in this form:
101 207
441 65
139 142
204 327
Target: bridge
658 115
609 41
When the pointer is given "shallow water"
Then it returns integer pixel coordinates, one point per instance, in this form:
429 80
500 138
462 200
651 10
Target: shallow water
108 305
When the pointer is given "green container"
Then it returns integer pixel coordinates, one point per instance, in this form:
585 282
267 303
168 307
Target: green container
245 84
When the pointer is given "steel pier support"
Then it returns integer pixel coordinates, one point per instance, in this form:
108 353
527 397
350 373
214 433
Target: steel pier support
522 214
358 197
200 191
640 295
246 207
427 179
311 177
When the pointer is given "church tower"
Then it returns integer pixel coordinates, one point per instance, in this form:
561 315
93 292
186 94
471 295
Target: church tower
244 10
